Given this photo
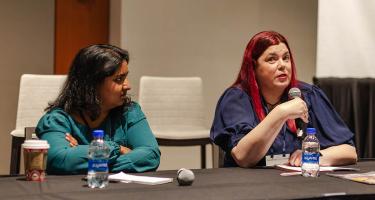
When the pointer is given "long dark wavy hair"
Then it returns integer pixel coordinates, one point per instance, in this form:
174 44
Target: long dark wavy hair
246 77
87 72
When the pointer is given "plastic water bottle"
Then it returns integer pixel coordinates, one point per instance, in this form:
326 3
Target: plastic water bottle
97 174
310 154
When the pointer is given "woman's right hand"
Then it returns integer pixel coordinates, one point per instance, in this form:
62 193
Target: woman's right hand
295 108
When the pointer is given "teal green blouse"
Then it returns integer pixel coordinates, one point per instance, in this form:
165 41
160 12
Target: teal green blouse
130 130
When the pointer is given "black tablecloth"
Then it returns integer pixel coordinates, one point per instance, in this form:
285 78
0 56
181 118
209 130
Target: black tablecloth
221 183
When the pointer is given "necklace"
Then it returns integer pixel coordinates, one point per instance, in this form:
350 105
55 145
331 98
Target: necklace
86 123
272 106
89 129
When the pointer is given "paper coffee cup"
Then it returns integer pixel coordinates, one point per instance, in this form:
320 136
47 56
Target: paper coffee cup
35 159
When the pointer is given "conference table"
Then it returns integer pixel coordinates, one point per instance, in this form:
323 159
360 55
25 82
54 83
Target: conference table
217 183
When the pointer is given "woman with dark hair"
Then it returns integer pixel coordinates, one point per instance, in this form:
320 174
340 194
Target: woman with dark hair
94 96
255 119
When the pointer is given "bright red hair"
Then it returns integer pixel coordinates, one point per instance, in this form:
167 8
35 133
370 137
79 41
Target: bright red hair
246 77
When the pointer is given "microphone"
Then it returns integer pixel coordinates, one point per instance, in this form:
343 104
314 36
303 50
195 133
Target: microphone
185 177
301 126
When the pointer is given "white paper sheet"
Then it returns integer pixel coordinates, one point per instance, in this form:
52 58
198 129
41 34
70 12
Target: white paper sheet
148 180
322 169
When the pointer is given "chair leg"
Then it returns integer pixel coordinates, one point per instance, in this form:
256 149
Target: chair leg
221 157
203 156
15 155
215 156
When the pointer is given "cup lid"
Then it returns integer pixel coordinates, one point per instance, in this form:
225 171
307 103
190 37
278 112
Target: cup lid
35 144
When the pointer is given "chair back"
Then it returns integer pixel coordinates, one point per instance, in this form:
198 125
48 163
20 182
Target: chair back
173 103
34 94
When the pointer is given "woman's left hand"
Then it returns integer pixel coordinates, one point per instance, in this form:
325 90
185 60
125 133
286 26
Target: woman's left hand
72 141
124 150
296 158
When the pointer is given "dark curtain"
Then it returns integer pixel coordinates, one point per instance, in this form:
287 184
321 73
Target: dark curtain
354 100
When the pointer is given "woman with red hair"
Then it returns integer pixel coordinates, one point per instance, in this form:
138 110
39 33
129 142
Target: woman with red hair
254 117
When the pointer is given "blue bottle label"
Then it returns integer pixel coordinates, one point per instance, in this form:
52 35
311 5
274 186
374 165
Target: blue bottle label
98 165
310 157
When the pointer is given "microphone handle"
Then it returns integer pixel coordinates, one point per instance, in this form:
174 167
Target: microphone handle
301 127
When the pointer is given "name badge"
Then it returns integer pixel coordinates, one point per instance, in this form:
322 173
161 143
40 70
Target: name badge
277 159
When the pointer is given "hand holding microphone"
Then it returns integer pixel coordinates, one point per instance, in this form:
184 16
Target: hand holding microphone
300 124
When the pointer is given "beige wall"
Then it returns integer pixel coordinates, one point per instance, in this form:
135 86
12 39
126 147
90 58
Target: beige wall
115 20
26 38
207 38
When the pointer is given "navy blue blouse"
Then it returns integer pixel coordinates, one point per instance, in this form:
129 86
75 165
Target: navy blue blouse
235 117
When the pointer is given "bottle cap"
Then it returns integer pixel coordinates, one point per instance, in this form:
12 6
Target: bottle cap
98 133
310 131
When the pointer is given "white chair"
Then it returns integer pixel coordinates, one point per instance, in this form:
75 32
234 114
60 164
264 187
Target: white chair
174 107
34 94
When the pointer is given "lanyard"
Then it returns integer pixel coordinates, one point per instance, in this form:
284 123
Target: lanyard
284 142
283 129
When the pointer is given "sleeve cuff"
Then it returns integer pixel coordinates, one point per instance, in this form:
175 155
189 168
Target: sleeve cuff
114 151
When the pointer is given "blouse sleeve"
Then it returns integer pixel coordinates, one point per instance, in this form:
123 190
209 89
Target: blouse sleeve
234 118
62 158
331 129
144 154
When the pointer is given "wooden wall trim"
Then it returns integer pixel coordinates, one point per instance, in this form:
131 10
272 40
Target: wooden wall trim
78 23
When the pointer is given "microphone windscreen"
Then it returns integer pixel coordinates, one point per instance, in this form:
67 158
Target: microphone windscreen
294 92
185 177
